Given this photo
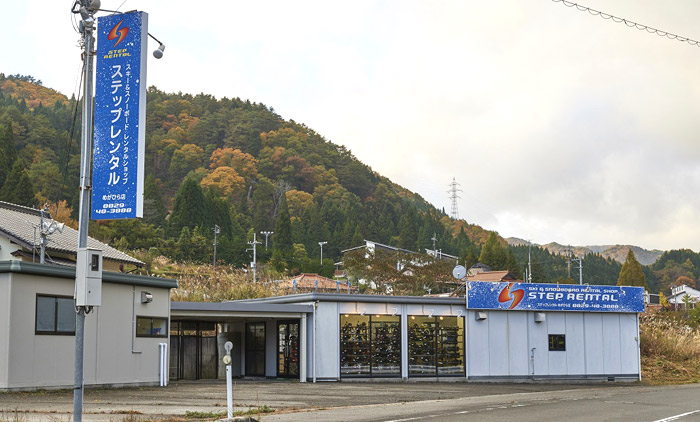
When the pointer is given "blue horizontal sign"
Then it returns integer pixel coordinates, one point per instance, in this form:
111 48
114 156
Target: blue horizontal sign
553 297
120 116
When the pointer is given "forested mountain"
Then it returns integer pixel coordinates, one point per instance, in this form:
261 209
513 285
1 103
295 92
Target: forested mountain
616 252
239 165
229 162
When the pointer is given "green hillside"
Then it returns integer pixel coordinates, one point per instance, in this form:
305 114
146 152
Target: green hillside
229 162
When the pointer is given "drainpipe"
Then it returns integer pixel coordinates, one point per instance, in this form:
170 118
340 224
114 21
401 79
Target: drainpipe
313 346
133 319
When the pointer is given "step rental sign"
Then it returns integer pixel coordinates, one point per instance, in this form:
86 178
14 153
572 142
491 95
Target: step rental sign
553 297
120 116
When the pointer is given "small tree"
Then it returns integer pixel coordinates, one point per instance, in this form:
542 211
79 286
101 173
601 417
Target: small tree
631 273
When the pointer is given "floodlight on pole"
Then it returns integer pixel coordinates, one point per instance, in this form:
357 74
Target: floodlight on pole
321 245
266 234
158 52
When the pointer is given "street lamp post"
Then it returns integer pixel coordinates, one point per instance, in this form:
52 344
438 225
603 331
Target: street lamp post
321 245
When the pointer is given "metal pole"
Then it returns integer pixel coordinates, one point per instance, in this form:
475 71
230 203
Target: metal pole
216 229
85 187
42 239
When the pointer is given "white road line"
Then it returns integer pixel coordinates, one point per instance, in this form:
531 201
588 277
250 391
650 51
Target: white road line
673 418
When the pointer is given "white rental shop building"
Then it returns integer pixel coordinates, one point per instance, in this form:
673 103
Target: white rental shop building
499 331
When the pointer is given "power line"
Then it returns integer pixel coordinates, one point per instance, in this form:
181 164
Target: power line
629 23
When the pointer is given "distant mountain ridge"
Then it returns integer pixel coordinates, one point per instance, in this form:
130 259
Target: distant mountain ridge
616 252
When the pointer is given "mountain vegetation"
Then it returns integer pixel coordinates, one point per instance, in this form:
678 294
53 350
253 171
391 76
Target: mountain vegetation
240 166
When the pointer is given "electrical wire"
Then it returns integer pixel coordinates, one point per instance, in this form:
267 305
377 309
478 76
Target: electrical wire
629 23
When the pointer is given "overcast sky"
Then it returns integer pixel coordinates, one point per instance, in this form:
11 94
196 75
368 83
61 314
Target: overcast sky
558 125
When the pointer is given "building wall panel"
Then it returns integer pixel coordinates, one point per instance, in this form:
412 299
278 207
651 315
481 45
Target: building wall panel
556 324
538 347
593 326
327 344
629 344
518 364
5 312
612 359
498 343
575 344
477 345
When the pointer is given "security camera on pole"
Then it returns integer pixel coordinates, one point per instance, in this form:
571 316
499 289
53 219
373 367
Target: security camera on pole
114 189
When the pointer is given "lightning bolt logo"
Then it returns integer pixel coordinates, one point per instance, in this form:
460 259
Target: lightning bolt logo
507 295
121 33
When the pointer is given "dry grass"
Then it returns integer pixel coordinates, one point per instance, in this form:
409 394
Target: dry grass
670 350
206 283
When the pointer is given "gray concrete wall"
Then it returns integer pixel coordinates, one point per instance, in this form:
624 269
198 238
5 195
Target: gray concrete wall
5 310
47 360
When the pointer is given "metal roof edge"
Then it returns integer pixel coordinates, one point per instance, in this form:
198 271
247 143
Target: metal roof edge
238 306
344 297
22 267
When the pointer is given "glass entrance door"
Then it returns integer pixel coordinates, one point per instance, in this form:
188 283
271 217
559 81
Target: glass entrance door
288 349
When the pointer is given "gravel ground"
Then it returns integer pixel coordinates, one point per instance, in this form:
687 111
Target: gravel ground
156 403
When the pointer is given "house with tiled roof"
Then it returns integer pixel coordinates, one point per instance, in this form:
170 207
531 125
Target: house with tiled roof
21 234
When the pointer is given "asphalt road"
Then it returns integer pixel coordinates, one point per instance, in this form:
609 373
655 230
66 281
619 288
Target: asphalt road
372 402
644 404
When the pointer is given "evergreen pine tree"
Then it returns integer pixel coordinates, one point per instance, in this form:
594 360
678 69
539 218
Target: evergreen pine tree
18 188
492 254
153 208
190 208
512 264
631 273
282 246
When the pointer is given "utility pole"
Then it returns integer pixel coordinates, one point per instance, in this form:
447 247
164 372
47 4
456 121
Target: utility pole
580 269
253 264
321 245
568 262
266 234
529 262
434 239
217 230
87 25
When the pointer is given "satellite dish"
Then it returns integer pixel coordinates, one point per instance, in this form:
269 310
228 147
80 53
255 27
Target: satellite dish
459 272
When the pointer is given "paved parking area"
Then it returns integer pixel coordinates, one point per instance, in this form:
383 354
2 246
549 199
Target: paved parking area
172 402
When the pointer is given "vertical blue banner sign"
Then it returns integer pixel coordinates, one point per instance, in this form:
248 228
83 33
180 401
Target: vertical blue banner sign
553 297
120 116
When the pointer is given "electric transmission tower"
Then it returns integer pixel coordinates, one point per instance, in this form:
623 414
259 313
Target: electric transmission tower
454 212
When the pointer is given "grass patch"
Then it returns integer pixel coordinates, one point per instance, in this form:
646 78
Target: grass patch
218 415
670 349
12 416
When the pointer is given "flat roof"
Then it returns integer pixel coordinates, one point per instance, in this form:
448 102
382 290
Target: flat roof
23 267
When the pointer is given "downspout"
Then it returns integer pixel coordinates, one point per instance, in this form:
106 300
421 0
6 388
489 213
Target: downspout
133 319
639 353
313 346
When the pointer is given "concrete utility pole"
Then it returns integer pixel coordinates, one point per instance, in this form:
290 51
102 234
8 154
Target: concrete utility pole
321 245
217 230
580 269
87 25
529 262
253 264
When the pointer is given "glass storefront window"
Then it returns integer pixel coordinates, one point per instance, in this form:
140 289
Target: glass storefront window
370 345
421 345
385 345
354 345
435 346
